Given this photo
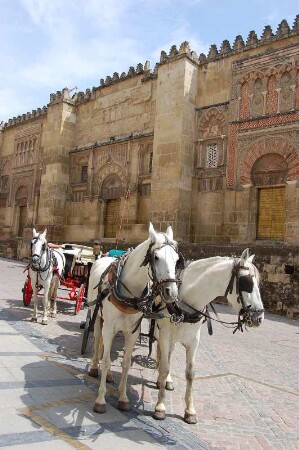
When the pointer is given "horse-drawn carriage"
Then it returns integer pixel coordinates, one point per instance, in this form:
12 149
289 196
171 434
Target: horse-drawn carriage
74 278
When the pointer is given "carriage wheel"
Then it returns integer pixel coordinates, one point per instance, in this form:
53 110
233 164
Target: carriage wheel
79 298
27 292
85 333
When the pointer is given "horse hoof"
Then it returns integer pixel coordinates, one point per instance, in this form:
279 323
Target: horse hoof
190 418
159 415
124 406
101 409
34 319
44 322
93 373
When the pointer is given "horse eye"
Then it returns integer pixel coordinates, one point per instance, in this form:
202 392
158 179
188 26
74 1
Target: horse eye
156 257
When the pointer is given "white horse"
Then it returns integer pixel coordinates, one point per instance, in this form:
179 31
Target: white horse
42 262
201 282
151 262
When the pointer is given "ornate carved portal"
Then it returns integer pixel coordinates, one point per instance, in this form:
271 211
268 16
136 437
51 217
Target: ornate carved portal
21 200
112 190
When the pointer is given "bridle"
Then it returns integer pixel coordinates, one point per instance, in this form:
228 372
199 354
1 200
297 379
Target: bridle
149 259
36 267
244 283
145 302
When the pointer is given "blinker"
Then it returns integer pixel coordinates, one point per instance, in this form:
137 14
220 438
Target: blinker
180 265
246 283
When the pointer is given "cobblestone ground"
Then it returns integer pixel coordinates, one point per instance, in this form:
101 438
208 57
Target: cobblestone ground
245 391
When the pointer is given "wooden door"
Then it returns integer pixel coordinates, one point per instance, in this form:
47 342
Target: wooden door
271 213
22 220
112 217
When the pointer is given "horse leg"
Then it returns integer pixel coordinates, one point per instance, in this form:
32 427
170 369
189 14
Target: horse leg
169 382
190 413
130 341
98 349
45 304
53 296
108 335
164 364
35 304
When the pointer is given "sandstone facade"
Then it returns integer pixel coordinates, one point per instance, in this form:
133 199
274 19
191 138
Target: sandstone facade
208 144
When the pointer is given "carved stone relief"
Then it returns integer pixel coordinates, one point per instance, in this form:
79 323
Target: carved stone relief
269 169
117 153
26 150
286 92
285 159
21 197
212 131
77 162
24 182
116 179
5 172
257 106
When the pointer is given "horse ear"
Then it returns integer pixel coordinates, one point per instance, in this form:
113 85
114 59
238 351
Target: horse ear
250 258
45 232
169 233
244 256
34 233
152 233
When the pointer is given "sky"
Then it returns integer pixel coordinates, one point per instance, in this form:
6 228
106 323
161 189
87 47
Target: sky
47 45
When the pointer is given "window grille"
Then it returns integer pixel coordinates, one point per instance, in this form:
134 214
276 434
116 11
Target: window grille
84 174
212 155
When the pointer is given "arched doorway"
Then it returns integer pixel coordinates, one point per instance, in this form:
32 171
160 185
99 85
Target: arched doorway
21 202
269 175
112 190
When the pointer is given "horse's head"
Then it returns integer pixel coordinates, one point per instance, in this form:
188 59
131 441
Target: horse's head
38 246
162 257
249 303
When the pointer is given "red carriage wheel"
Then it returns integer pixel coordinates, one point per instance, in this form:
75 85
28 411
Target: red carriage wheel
27 292
79 298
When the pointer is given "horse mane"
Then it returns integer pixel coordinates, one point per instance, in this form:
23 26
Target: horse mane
208 261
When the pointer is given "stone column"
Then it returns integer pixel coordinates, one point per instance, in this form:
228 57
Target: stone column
57 141
278 90
173 153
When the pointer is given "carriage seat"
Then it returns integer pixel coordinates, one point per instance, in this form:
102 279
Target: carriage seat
70 254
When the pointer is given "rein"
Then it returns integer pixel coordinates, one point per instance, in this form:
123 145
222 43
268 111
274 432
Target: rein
243 283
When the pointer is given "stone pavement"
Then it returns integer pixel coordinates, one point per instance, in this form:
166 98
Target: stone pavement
246 392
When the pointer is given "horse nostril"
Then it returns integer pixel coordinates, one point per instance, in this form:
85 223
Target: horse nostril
167 291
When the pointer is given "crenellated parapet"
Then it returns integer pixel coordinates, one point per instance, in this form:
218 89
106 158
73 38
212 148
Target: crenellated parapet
239 45
144 70
39 112
226 49
174 53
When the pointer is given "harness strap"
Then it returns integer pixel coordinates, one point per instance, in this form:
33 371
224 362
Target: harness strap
99 304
